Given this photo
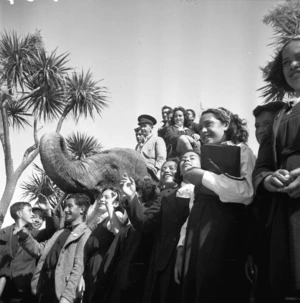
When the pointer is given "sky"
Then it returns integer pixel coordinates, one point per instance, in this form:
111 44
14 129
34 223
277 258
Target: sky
149 53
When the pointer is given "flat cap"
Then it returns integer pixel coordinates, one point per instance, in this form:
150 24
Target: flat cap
146 119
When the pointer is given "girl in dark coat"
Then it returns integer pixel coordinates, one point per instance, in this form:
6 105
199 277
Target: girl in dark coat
213 254
277 175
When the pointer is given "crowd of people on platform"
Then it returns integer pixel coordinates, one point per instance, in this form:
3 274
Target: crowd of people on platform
210 223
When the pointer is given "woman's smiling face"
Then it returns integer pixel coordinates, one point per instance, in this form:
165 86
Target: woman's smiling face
212 130
179 118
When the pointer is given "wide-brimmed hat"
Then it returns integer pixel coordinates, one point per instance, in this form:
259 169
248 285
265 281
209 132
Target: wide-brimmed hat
142 119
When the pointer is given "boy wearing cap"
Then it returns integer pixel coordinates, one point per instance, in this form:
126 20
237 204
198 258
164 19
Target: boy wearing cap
154 149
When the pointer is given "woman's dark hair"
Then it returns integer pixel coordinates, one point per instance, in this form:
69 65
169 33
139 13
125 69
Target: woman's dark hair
275 75
275 71
237 128
192 111
185 115
149 190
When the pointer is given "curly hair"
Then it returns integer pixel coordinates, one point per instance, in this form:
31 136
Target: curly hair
237 128
185 115
149 190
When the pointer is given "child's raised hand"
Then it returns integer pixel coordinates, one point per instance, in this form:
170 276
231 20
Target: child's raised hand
128 186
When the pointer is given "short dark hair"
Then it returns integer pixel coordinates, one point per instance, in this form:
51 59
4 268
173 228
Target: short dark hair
166 107
176 160
81 199
17 206
114 190
34 209
137 129
179 176
272 107
192 111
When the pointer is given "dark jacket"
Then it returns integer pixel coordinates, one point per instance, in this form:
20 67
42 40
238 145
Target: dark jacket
172 135
20 267
164 218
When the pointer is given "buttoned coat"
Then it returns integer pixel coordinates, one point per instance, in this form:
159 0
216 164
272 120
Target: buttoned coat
20 267
155 153
70 265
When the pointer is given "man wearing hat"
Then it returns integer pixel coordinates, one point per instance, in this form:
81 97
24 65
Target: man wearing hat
154 149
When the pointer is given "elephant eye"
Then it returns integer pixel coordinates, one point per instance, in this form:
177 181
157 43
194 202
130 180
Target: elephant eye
114 166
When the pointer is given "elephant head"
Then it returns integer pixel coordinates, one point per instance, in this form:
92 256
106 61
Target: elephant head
98 171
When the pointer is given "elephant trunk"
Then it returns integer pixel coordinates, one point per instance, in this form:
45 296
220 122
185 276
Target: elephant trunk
59 165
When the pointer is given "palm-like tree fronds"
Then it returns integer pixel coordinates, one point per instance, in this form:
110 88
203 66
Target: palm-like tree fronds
50 69
46 104
47 78
17 115
284 18
40 184
81 145
84 96
17 55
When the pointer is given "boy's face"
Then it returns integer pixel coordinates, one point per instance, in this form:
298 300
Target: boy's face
38 219
188 160
263 124
168 171
72 210
26 214
107 195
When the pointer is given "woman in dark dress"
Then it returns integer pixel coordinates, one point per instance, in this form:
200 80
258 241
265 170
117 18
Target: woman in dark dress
276 175
105 220
213 254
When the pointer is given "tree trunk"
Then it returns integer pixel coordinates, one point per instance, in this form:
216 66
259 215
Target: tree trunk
60 122
12 181
7 196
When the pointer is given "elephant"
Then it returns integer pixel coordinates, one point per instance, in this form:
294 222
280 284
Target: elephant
98 171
